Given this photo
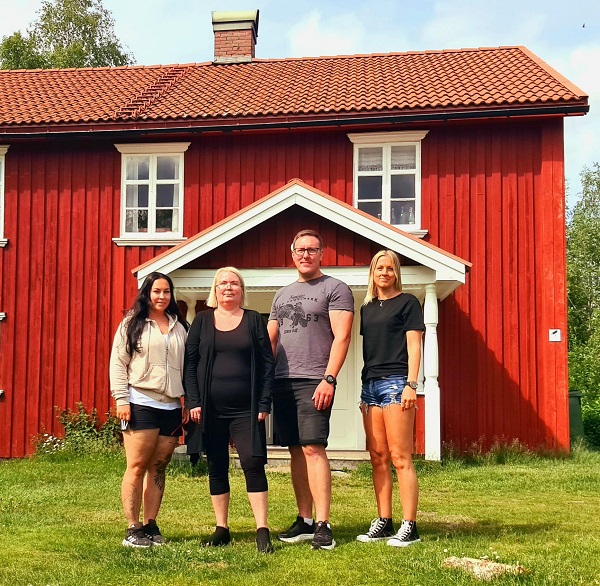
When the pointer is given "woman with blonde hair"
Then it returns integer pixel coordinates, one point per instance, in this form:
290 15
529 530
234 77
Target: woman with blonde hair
392 327
228 376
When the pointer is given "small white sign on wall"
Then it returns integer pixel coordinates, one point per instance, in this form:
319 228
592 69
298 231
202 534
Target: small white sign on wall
554 335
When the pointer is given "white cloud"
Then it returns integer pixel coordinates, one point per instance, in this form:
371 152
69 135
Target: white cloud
338 35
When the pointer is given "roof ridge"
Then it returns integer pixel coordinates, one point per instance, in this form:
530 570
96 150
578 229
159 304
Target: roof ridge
150 94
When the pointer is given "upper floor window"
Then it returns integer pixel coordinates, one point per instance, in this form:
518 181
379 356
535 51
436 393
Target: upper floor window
3 149
387 176
152 193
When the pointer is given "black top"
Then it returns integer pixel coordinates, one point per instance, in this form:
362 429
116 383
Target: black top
230 384
383 326
198 372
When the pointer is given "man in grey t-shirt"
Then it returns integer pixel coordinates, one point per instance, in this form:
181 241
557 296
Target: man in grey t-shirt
309 327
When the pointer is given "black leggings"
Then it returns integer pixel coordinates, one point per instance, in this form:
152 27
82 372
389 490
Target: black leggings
217 454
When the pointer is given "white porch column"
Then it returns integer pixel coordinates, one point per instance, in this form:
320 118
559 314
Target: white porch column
191 305
433 437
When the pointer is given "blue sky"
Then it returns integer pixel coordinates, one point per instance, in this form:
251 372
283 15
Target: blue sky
564 34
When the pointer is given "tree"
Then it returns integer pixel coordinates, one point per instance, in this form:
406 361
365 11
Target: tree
583 287
67 33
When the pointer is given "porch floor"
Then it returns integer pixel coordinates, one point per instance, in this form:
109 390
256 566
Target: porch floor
278 459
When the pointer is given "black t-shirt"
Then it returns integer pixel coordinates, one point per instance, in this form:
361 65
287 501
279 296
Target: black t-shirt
230 392
383 326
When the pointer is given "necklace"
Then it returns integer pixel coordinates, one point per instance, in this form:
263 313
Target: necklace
381 302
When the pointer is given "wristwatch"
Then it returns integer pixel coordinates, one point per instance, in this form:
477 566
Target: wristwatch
330 379
413 384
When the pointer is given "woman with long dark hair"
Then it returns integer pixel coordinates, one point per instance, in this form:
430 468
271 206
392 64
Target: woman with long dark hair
391 324
146 371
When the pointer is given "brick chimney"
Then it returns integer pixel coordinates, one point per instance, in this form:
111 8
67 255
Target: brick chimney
235 35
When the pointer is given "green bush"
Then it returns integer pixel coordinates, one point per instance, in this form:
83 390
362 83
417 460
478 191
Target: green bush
590 412
86 434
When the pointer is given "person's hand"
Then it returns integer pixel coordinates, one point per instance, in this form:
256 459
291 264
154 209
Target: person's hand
185 415
124 412
409 398
196 414
323 395
262 416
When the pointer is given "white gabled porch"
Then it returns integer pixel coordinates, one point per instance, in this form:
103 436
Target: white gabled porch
431 279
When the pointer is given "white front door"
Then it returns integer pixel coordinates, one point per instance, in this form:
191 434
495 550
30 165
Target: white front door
346 432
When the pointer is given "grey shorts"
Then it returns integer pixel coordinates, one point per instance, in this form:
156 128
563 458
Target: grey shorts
298 421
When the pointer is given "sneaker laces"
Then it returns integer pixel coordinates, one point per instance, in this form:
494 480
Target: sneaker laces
405 530
377 525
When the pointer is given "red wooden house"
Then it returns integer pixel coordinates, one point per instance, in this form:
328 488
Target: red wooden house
452 158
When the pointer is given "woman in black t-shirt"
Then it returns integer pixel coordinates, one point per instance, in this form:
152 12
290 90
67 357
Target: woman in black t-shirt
228 375
392 327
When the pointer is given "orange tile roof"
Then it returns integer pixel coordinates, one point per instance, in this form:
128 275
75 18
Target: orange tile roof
265 90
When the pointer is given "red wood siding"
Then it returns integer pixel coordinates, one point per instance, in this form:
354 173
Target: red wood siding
496 197
492 194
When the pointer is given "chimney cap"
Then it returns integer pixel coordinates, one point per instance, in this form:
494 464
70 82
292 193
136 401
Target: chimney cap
236 20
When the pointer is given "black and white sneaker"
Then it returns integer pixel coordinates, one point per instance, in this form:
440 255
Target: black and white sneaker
407 535
135 537
153 532
299 531
323 537
381 528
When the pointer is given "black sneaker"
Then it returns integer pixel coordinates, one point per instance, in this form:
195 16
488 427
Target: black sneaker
407 535
221 536
299 531
135 537
380 529
263 540
153 532
323 538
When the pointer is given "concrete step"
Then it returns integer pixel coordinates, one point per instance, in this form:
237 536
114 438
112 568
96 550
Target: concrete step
279 458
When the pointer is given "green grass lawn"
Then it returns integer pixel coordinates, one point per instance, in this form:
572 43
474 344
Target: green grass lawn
61 524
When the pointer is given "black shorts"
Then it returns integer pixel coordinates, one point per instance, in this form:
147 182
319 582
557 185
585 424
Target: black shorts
299 422
168 421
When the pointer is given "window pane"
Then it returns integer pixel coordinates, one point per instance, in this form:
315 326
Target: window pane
403 186
369 187
136 196
370 159
371 208
167 167
404 157
167 196
137 168
164 220
403 212
136 221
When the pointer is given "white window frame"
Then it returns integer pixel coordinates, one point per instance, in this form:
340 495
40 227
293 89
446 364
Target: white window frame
175 149
3 240
387 140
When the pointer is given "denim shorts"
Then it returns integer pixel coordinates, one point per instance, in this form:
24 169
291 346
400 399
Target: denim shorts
383 391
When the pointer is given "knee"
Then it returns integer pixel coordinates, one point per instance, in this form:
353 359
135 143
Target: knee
402 461
137 467
313 451
380 458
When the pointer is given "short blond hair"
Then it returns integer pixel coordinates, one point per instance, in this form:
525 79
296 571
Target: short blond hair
212 296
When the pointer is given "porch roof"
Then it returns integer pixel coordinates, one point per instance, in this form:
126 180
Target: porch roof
448 270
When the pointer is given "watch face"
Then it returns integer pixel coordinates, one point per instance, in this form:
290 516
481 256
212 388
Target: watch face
330 379
413 385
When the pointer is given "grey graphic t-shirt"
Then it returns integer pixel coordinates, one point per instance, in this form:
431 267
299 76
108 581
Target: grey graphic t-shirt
305 336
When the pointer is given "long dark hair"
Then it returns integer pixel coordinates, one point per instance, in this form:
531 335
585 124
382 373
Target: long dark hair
139 312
